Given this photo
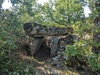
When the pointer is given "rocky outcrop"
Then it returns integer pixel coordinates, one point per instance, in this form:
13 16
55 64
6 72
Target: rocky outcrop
38 33
37 30
61 47
35 44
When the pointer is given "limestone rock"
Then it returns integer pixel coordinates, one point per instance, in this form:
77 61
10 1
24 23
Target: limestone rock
54 72
35 45
62 43
38 30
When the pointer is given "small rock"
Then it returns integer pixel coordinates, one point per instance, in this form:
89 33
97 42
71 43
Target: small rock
59 52
59 64
54 62
65 57
54 72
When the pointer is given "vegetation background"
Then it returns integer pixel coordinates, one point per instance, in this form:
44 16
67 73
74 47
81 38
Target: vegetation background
63 13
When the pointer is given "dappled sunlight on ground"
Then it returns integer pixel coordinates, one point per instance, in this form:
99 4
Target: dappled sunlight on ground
44 67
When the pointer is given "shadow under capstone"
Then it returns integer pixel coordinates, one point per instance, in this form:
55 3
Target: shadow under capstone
43 53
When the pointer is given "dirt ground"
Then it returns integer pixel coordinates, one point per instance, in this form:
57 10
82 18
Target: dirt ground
42 63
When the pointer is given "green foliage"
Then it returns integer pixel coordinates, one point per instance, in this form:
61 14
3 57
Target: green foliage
62 13
94 61
77 52
82 53
13 66
81 49
10 31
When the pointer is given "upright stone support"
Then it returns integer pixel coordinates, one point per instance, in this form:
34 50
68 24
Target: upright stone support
35 45
54 45
38 31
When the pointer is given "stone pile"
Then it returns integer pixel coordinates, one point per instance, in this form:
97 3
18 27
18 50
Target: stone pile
61 46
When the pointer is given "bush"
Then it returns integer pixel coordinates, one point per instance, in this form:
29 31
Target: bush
80 55
11 66
94 61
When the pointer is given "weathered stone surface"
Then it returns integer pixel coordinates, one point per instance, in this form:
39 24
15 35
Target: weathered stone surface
37 30
61 46
35 44
54 45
